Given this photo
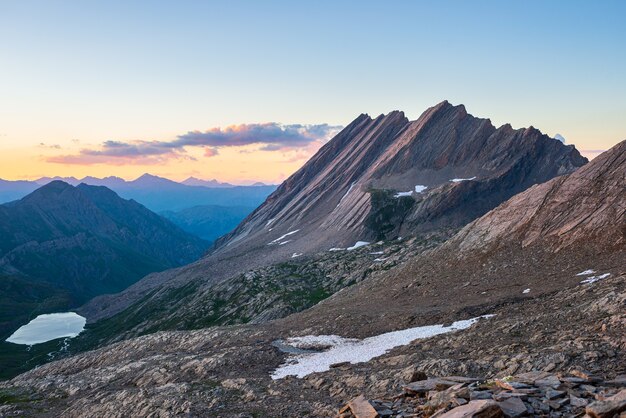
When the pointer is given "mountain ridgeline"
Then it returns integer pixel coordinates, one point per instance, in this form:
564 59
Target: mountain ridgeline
156 193
377 180
387 177
83 241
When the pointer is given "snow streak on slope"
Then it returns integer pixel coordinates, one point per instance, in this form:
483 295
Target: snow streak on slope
353 350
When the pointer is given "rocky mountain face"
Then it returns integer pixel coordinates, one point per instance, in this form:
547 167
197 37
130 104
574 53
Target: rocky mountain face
378 179
586 208
384 177
84 241
535 240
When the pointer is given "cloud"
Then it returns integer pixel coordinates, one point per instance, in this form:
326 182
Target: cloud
211 152
273 136
53 146
270 136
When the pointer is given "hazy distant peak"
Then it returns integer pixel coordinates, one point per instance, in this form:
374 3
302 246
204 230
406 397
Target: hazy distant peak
194 181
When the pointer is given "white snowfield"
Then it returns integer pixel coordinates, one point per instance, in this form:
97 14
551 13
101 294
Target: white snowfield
354 350
459 180
358 244
294 255
593 279
49 327
526 291
277 240
418 189
586 272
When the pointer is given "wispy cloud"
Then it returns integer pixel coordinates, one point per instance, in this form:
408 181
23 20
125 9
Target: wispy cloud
53 146
270 136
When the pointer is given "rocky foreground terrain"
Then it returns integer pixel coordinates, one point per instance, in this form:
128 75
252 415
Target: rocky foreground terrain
225 372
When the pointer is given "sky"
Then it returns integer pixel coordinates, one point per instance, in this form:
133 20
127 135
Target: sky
247 91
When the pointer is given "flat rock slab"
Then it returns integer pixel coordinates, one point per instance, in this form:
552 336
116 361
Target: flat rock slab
619 381
463 379
513 407
425 386
361 408
475 409
609 407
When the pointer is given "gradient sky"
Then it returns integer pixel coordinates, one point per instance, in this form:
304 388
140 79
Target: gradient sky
125 87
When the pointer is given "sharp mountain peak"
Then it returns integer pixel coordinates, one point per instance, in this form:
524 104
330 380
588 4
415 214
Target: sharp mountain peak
350 189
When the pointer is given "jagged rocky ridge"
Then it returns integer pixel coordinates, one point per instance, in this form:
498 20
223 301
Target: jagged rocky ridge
347 193
566 321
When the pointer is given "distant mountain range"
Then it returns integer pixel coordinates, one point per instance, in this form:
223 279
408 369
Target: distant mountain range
156 193
192 181
67 244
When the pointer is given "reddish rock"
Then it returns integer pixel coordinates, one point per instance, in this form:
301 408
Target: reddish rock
475 409
608 407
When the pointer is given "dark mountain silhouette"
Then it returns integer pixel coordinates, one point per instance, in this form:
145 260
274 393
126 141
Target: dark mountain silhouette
86 240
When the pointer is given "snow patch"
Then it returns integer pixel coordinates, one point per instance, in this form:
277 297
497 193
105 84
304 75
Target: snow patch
284 242
377 253
381 259
336 249
346 194
560 138
586 272
269 222
460 180
402 194
358 244
277 240
353 350
593 279
294 255
526 291
418 189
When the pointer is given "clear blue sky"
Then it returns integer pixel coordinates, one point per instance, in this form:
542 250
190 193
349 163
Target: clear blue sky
94 71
